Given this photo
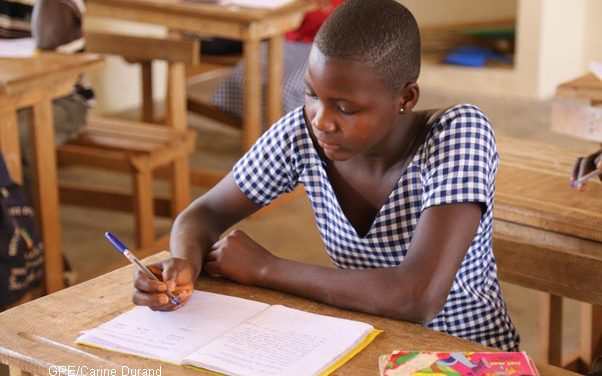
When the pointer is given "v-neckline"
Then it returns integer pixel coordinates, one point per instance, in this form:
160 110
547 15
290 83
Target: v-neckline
429 123
379 212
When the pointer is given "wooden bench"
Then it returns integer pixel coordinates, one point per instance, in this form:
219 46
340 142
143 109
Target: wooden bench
137 148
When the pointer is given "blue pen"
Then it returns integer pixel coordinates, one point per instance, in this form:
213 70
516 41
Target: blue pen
130 256
577 183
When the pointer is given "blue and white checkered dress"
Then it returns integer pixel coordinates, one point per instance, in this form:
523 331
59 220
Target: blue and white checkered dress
456 163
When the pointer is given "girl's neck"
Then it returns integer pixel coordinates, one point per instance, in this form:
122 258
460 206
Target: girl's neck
399 147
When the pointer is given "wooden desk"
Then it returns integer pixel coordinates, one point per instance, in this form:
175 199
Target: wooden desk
34 82
547 236
40 334
251 26
577 108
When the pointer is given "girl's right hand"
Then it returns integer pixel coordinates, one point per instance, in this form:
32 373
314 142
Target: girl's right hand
175 275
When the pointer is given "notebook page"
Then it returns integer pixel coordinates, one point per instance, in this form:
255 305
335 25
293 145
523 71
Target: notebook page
170 336
281 341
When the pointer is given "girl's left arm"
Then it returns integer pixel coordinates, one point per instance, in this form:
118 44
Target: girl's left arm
414 291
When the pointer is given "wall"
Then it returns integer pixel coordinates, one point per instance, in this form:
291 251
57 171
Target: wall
438 12
593 31
555 41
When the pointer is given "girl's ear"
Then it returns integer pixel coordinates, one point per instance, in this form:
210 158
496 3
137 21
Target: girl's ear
408 98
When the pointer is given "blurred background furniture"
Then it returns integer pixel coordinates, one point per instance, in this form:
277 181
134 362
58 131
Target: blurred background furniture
140 149
547 237
34 82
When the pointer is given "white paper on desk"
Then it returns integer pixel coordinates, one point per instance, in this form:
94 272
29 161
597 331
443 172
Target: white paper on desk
22 47
171 336
281 341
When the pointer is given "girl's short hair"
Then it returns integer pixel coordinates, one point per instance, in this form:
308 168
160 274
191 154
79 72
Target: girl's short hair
380 33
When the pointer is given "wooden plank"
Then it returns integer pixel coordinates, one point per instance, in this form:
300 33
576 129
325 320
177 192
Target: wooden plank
10 145
108 198
532 188
587 87
42 332
275 74
252 95
209 110
146 49
142 182
125 127
511 254
148 110
45 177
550 326
180 186
176 113
27 75
209 19
590 344
577 119
68 154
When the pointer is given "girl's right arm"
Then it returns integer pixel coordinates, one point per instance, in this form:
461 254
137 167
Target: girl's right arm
193 233
585 165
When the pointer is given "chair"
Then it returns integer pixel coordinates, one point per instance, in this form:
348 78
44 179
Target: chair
137 148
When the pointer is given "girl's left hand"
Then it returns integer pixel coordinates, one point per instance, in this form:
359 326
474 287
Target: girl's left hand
239 258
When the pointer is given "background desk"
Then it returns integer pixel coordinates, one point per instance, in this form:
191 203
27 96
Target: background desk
548 236
245 24
40 334
35 82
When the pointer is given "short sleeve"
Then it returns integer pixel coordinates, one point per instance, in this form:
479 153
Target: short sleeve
267 169
461 159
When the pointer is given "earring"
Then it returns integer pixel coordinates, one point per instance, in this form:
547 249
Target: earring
401 110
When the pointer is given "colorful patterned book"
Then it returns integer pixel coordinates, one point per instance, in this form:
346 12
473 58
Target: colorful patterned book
426 363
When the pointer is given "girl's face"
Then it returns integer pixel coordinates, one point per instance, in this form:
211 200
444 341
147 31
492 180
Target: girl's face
351 112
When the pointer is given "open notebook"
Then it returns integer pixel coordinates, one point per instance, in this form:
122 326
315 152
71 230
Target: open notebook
235 336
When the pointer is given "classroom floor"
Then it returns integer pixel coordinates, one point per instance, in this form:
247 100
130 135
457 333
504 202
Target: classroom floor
289 230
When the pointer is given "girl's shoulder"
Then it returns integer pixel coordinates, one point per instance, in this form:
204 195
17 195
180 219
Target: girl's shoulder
461 115
459 128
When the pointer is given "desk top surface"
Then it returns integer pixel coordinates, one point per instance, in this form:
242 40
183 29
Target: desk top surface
205 9
532 188
40 334
26 72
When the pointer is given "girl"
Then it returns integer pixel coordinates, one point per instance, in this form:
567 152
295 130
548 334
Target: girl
403 199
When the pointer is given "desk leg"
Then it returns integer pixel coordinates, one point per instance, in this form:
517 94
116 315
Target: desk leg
275 72
252 94
551 329
176 112
9 144
591 332
46 192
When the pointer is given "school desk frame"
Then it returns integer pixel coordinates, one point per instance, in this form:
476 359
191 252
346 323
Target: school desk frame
40 334
251 26
34 83
547 237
